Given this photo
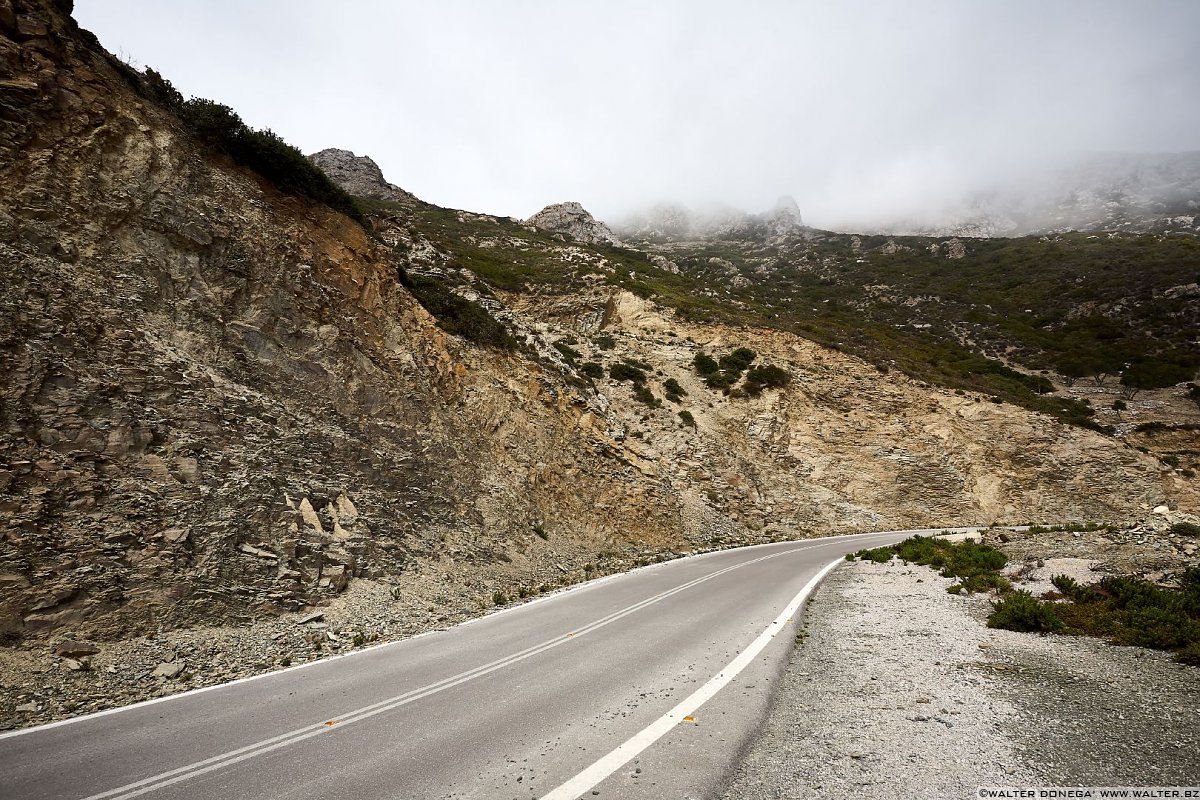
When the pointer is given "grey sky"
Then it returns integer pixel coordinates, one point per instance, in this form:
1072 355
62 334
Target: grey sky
860 110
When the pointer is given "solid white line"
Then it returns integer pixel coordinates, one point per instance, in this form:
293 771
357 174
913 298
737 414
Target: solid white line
608 764
188 771
474 620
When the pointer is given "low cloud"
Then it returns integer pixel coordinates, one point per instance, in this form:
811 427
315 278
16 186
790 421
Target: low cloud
863 111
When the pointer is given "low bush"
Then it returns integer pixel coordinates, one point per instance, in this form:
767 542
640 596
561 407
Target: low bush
705 364
592 369
671 385
686 417
1131 611
644 395
880 555
1021 611
456 314
737 361
222 130
768 376
976 565
622 371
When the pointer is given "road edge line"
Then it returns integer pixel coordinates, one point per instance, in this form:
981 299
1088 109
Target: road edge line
606 765
472 620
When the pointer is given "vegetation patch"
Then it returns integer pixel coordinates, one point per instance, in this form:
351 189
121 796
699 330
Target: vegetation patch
1132 611
1124 610
977 566
221 129
1021 611
456 314
622 371
592 369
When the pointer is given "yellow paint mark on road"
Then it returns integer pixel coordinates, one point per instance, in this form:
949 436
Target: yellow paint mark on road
331 722
689 718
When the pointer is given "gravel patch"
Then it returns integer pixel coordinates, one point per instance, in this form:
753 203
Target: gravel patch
898 689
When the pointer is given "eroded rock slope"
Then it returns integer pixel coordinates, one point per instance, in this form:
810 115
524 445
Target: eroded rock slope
219 403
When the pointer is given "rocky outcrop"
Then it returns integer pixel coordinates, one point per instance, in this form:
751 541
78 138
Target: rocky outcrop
359 175
573 220
784 219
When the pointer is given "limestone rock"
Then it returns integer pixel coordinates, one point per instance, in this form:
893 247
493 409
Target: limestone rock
573 220
169 670
359 175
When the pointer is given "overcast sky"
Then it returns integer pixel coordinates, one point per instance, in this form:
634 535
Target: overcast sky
857 109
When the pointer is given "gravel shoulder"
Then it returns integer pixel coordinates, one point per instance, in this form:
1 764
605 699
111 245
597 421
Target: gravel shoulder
898 689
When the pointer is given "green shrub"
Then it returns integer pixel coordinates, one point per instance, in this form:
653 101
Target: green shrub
1020 611
986 582
1131 611
622 371
456 314
540 530
686 417
605 342
222 130
644 395
880 555
744 356
721 379
704 364
768 376
671 385
160 89
1189 655
736 362
592 369
498 598
976 565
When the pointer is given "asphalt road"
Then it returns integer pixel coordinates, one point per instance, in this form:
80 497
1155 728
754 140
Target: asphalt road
647 684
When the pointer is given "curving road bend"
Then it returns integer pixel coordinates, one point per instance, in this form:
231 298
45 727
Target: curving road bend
645 684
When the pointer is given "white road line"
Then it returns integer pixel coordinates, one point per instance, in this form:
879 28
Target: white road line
607 765
473 621
186 772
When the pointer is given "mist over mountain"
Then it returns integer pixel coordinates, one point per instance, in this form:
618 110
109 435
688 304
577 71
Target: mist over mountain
871 114
1120 192
1132 192
677 221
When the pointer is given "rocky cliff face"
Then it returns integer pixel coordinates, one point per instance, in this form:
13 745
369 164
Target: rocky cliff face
573 220
359 175
219 404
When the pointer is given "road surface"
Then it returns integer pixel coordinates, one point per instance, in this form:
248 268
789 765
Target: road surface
646 684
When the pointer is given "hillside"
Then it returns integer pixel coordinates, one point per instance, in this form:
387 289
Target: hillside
222 402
